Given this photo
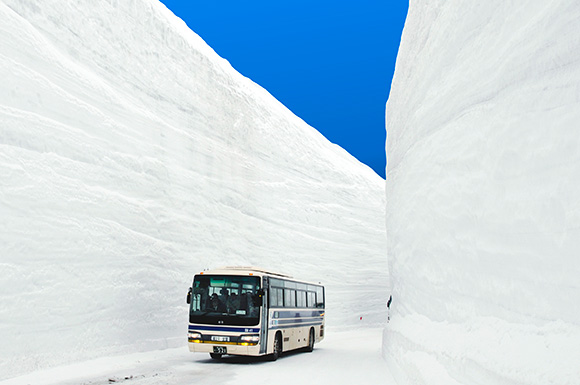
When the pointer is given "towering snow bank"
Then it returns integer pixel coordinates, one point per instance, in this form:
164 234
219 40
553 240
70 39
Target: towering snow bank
483 194
131 158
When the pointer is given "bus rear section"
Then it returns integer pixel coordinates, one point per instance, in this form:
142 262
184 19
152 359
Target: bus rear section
296 313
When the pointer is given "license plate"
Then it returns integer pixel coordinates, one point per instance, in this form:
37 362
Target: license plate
220 338
220 349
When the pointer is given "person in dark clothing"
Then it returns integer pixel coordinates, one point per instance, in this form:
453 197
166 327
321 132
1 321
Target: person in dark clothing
216 305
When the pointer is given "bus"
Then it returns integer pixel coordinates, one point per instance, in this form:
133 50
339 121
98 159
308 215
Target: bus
253 312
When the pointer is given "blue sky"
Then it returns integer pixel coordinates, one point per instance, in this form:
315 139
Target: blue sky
329 62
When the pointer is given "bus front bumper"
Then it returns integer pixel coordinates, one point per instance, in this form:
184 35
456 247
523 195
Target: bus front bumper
204 347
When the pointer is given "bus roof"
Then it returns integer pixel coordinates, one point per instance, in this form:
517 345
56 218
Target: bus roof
243 269
251 270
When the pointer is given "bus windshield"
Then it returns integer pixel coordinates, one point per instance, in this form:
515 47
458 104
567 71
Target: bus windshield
225 300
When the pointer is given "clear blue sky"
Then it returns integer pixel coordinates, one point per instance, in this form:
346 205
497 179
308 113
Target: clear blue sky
329 62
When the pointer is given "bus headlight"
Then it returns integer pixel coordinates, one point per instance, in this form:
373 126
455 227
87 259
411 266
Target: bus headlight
251 339
194 337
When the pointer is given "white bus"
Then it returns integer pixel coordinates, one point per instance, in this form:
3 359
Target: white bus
252 312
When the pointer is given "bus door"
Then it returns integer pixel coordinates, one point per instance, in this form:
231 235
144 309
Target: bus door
264 320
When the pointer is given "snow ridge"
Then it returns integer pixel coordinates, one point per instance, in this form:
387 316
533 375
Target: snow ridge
483 207
131 158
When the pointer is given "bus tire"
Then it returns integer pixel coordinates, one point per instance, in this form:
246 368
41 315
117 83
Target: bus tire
277 347
216 356
311 338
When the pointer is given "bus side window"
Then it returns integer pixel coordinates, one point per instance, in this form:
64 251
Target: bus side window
319 297
311 299
289 298
300 298
273 297
276 297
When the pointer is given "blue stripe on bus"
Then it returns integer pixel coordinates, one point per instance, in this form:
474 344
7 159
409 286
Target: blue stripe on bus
274 327
297 313
224 329
296 321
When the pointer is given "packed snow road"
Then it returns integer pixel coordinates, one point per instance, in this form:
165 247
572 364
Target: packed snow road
352 357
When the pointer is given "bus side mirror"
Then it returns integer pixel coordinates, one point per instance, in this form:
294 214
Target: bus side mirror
258 298
188 300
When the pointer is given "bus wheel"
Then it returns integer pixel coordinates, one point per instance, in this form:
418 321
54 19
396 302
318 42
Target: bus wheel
277 347
310 346
215 356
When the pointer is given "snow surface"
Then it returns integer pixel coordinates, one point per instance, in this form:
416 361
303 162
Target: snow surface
131 158
331 362
483 194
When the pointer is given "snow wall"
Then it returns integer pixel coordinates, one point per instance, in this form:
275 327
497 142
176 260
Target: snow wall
131 158
483 194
